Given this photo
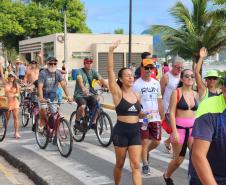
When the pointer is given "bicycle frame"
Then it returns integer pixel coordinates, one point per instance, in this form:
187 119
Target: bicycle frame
55 122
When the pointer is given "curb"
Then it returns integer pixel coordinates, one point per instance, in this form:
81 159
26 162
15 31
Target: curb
108 106
22 167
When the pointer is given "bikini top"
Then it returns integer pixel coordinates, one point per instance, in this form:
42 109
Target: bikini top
182 104
125 108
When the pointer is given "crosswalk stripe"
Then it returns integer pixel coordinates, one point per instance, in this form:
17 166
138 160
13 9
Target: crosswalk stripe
109 156
158 155
74 168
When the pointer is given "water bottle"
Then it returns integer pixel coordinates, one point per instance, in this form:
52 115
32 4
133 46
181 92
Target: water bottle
144 124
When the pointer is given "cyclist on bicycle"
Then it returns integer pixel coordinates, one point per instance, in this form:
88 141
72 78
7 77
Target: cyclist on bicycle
83 89
47 85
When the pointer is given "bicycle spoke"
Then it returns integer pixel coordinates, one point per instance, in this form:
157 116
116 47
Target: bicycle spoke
64 138
104 129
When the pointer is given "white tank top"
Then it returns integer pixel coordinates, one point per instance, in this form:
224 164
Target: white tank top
172 85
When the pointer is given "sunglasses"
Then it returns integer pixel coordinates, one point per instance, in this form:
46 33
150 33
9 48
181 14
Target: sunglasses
52 64
189 76
212 78
179 68
149 67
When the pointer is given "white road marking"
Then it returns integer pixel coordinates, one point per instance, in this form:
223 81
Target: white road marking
109 156
159 155
81 172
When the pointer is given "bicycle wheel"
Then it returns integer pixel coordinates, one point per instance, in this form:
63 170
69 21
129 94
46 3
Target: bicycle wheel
3 125
104 129
41 135
64 138
25 115
77 133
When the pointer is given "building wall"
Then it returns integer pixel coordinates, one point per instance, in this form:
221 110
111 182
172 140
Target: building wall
80 45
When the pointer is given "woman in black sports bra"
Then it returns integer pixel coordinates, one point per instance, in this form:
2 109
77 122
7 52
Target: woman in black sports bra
126 132
183 104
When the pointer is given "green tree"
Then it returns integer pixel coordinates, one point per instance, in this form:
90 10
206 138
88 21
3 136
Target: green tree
21 19
12 17
196 29
75 10
119 31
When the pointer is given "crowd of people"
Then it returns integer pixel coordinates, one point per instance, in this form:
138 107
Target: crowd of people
196 116
19 75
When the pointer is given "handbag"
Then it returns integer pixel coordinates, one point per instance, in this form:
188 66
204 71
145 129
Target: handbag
166 121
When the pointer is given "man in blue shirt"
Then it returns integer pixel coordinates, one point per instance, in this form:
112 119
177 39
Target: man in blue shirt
21 70
208 156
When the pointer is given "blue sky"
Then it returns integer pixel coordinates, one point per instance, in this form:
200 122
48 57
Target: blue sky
104 16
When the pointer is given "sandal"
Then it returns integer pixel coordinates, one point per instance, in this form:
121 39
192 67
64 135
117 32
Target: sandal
168 148
17 135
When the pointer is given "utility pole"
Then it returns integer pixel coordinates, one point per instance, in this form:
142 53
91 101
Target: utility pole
130 32
65 39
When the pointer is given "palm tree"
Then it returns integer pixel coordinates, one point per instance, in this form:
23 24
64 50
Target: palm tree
198 28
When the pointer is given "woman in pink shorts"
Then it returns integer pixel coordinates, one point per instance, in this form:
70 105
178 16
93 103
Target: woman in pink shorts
183 104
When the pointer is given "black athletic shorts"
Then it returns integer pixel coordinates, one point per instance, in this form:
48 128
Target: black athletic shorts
126 134
90 101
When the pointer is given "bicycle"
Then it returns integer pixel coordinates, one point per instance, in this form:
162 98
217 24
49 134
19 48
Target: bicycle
55 126
29 107
103 127
3 124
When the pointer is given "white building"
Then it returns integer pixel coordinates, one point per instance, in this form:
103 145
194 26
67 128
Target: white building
86 45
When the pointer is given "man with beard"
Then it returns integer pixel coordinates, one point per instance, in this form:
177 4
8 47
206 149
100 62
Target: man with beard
47 86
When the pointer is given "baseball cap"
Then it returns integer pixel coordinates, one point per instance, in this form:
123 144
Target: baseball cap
88 60
212 73
51 59
147 62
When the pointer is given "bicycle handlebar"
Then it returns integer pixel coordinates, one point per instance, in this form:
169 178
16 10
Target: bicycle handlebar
57 103
99 91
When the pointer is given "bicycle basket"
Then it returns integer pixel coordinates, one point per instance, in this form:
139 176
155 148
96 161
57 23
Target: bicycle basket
4 103
53 108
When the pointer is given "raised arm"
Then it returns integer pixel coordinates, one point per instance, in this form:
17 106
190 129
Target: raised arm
2 74
113 86
198 78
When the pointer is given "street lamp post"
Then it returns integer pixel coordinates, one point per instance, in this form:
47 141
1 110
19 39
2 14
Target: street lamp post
65 39
130 32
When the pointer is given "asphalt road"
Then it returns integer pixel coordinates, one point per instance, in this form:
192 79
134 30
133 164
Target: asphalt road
88 164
